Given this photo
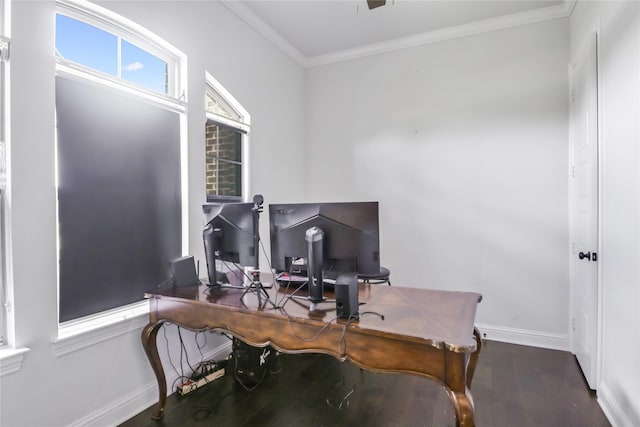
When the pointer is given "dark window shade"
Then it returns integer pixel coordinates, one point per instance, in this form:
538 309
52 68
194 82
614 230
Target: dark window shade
119 202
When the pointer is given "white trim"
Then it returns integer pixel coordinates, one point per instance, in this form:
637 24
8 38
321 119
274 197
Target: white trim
119 411
600 226
613 409
246 168
184 181
7 318
11 360
215 85
525 337
87 331
570 6
224 121
549 13
5 25
77 71
570 210
255 22
474 28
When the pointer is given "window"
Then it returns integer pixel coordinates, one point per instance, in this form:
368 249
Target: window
95 44
119 160
85 44
226 132
224 161
143 68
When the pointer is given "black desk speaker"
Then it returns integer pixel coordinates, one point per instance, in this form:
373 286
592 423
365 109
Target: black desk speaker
183 271
346 291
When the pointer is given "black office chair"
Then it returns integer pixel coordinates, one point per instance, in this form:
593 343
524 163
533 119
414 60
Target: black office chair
377 278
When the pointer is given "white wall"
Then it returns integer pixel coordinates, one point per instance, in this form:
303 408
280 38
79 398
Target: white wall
618 26
464 143
107 380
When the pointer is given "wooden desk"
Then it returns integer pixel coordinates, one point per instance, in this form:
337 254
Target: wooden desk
424 332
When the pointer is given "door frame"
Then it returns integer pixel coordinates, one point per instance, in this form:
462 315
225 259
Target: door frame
586 43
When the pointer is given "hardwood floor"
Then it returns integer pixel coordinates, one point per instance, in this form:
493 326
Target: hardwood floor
513 386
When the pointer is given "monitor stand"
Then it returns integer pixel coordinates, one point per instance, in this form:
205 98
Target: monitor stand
221 281
314 237
211 238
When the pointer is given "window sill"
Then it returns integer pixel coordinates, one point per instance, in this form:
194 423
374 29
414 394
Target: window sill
11 359
82 333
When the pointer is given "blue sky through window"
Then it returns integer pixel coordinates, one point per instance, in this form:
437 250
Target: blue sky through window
86 45
98 49
143 68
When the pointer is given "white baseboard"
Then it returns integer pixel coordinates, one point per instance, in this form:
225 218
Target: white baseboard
612 408
525 337
120 410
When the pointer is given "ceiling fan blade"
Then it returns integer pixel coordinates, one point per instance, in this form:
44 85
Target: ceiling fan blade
375 3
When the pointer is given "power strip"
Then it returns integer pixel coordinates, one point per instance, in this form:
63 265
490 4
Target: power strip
190 385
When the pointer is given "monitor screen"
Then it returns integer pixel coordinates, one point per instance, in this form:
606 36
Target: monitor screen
228 235
350 235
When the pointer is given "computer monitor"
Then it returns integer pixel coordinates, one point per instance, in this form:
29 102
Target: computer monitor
228 236
337 237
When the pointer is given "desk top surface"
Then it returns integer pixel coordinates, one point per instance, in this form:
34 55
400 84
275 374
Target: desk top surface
422 315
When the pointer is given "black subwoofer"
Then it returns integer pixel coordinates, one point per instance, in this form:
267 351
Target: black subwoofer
346 290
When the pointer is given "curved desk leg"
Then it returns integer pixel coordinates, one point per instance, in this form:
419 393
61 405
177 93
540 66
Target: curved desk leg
473 358
149 334
463 405
455 376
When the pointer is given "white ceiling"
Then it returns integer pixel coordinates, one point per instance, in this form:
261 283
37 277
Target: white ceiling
311 30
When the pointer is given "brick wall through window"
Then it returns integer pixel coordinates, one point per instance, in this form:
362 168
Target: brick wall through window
224 161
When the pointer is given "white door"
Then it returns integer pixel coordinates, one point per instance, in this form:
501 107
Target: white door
584 210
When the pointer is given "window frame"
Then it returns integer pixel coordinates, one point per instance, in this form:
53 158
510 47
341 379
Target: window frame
125 29
79 333
6 291
242 125
11 357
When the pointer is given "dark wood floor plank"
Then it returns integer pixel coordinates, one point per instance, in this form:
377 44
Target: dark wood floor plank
514 386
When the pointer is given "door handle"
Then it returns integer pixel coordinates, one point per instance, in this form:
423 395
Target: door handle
590 256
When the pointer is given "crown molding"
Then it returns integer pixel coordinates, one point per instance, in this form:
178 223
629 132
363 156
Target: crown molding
559 11
254 21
